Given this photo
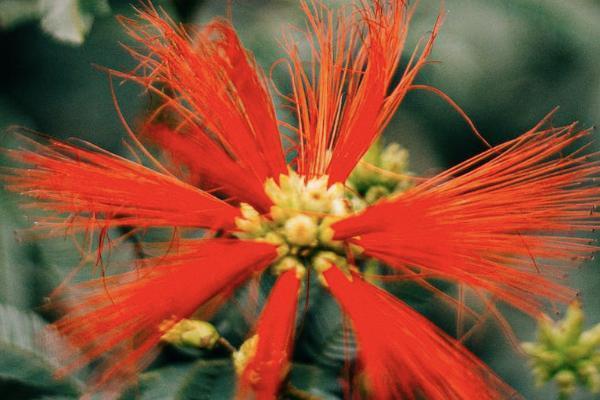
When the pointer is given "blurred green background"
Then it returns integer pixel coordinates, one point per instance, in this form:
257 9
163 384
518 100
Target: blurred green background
507 63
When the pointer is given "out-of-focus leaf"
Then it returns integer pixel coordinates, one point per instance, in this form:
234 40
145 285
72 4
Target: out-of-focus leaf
237 317
10 115
159 384
16 270
207 380
70 20
323 338
95 7
24 358
316 381
204 379
15 12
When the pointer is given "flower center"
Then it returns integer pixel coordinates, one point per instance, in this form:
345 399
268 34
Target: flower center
299 222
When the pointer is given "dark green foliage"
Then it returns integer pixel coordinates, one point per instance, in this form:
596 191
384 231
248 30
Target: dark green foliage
505 63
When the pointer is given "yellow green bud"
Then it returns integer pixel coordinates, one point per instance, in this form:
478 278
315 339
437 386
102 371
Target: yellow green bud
301 230
565 353
566 381
376 193
394 158
242 357
289 263
192 333
248 212
326 259
571 327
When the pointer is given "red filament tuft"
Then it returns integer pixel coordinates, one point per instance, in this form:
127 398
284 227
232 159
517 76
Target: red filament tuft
275 332
403 355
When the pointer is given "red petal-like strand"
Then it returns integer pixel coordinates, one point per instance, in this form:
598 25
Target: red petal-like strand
403 355
498 221
264 372
343 99
108 190
207 166
216 91
123 316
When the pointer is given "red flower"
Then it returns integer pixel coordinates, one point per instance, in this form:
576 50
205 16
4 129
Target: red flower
500 223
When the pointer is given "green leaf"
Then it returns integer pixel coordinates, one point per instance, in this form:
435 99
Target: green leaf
204 379
71 20
24 357
207 380
159 384
16 271
316 381
323 338
95 7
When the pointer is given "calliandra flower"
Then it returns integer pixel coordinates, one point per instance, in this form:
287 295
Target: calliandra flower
501 223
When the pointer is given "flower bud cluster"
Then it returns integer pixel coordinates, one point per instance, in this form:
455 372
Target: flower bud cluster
566 354
299 221
382 171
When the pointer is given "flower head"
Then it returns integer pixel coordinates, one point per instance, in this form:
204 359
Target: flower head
566 353
501 223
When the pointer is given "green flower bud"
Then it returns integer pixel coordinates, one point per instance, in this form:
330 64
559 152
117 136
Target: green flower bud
541 374
394 158
191 333
384 168
565 353
250 223
289 263
340 207
591 338
301 230
273 191
314 196
571 326
326 259
566 381
376 193
248 212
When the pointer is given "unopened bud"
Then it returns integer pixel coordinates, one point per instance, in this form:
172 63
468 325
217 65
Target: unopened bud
301 230
314 196
394 158
192 333
273 191
376 193
566 381
566 354
289 263
340 207
249 212
325 260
